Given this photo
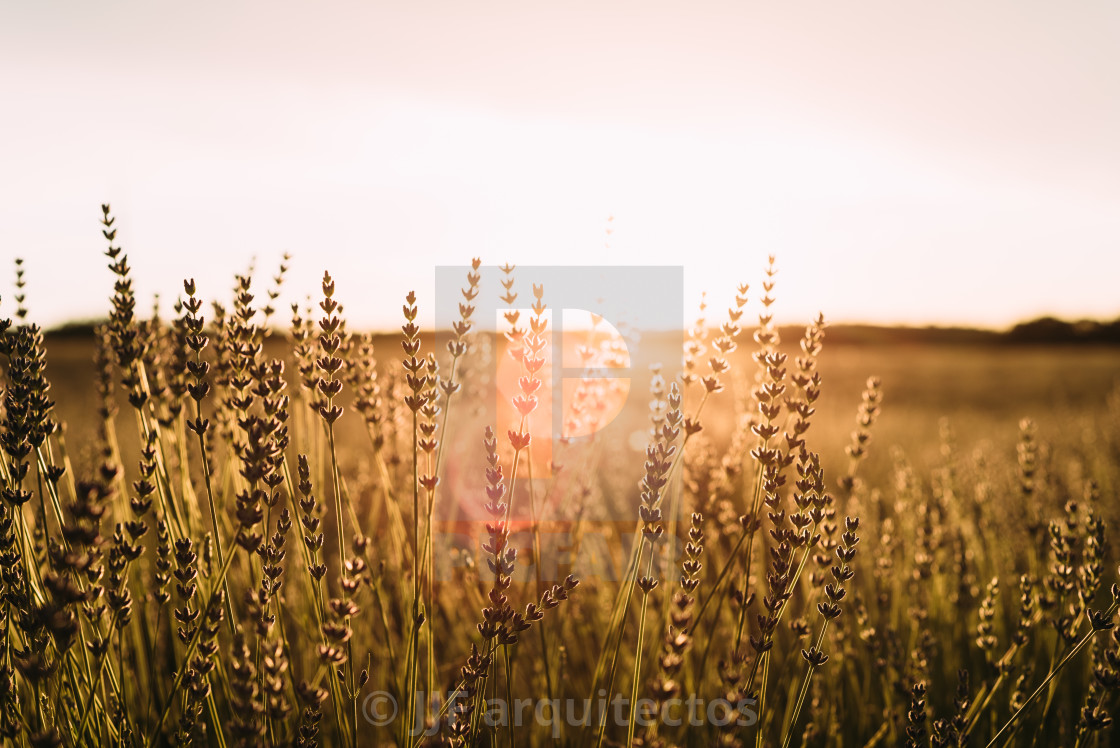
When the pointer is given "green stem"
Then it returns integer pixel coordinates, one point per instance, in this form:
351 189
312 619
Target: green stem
177 684
1049 677
638 655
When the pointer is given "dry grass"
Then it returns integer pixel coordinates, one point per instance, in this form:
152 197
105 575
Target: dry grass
240 536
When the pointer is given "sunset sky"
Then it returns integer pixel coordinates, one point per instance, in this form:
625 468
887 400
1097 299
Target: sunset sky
948 162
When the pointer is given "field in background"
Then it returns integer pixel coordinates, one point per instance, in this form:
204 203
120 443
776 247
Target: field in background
982 391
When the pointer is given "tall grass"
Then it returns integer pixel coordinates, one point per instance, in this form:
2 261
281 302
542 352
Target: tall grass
246 548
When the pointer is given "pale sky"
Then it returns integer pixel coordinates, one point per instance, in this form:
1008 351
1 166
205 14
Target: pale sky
915 162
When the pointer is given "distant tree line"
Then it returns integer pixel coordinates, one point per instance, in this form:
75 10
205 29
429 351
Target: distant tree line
1052 330
1041 331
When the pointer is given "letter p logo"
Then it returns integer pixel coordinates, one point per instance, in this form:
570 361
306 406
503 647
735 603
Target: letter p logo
560 357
